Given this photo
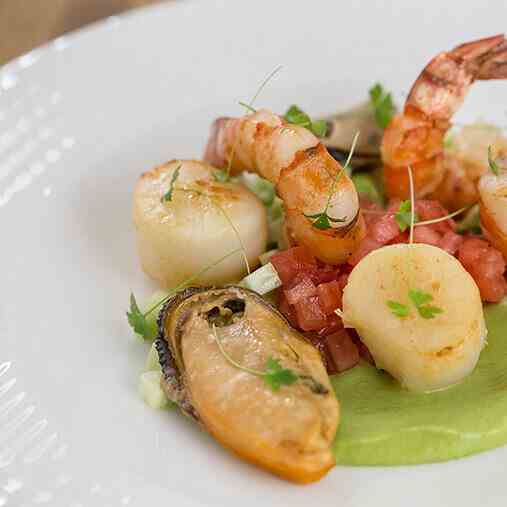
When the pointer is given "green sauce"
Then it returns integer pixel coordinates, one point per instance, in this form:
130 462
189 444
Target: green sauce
381 424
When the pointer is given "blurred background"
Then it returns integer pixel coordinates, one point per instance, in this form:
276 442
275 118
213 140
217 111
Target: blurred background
25 24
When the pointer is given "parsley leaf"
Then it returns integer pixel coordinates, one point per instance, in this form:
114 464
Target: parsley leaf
168 196
138 321
420 300
403 216
383 105
276 376
297 116
398 309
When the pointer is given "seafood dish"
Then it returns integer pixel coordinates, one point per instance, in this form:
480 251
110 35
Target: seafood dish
333 290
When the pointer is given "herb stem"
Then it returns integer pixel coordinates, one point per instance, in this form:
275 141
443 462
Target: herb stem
190 280
230 359
443 219
341 171
412 204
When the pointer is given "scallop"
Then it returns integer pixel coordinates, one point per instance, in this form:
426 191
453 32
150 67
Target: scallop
288 431
423 354
203 221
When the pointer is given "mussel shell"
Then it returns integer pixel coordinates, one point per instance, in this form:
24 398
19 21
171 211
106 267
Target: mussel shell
290 430
343 126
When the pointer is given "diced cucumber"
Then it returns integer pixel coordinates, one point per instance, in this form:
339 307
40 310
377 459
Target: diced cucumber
151 392
263 280
152 363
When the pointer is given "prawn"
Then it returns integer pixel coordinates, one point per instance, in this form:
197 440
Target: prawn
415 137
304 174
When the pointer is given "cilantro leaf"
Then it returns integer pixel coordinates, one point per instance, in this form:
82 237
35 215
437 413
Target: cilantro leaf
419 297
138 321
398 309
168 196
403 216
429 311
383 105
323 221
420 300
297 116
319 128
221 176
276 376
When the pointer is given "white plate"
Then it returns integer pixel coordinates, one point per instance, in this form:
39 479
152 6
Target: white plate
79 120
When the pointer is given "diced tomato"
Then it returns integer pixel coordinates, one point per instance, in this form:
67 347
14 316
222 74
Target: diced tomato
302 289
310 316
487 267
326 273
425 234
450 242
429 210
366 246
384 229
403 237
333 324
293 261
471 250
287 310
342 350
343 280
330 296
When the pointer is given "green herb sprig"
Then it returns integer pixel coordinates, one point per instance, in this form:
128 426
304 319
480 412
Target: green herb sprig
419 298
296 116
274 374
383 105
168 196
137 319
493 164
323 220
403 216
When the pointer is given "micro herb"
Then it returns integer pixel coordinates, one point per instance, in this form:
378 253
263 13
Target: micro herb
168 196
403 216
383 105
297 116
221 176
277 376
137 319
249 107
493 164
274 375
419 298
398 309
323 220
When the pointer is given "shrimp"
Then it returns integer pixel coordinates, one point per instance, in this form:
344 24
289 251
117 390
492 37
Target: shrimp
415 137
303 172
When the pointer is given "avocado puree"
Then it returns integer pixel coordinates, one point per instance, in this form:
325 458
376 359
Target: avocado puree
381 424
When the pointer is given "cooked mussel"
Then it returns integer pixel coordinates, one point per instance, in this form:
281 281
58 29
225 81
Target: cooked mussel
343 126
288 428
